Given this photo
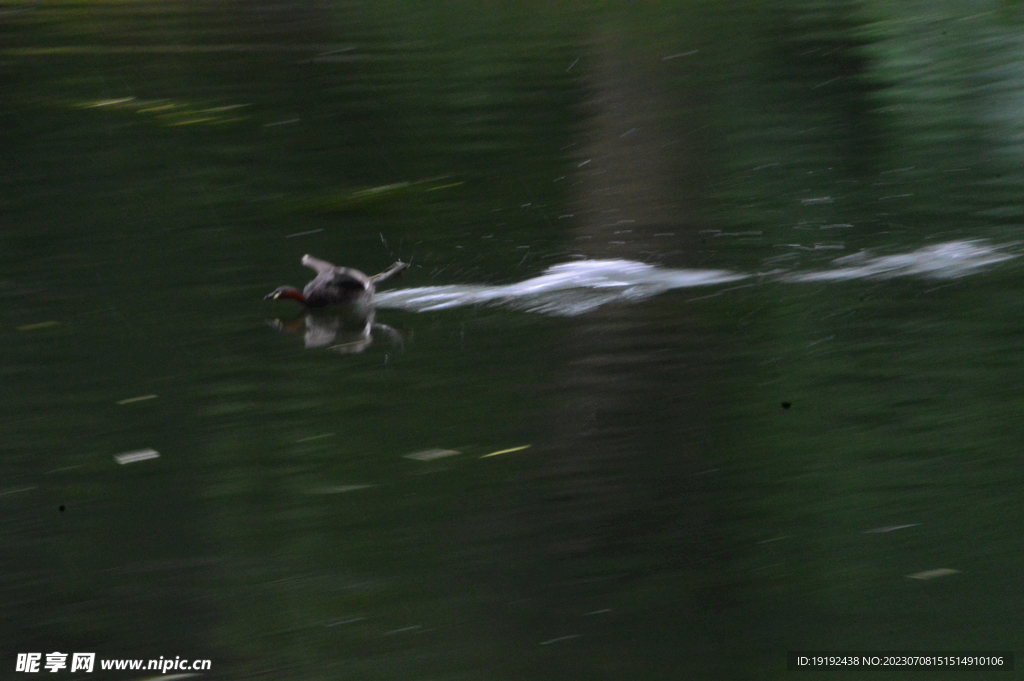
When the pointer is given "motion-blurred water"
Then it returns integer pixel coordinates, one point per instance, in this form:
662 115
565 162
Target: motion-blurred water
771 400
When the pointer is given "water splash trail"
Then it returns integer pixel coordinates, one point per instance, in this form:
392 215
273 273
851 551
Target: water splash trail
577 287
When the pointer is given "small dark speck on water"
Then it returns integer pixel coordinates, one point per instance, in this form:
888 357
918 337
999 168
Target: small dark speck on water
787 405
61 508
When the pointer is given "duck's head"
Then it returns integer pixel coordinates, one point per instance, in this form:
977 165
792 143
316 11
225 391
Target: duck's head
286 292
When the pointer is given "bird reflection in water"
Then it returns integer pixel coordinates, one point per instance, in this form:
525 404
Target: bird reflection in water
337 332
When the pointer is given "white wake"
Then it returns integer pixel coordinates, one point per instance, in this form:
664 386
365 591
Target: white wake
573 288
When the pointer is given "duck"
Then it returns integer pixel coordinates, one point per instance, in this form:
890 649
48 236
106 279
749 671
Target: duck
335 286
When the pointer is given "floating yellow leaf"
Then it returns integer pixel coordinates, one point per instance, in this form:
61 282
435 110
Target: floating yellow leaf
506 451
107 102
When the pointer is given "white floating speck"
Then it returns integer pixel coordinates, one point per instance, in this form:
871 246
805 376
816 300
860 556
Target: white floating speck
403 629
431 454
315 437
773 539
140 398
932 574
287 122
136 456
348 621
297 234
681 54
560 638
889 528
16 491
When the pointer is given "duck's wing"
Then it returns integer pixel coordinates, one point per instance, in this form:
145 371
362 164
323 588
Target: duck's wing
392 271
321 266
329 274
346 277
339 286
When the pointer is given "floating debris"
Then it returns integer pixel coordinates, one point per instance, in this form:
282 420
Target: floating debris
681 54
348 621
506 451
315 437
890 528
64 468
338 489
136 456
192 121
446 186
169 112
306 233
559 639
932 574
17 491
290 121
38 325
140 398
403 629
773 539
431 454
349 200
107 102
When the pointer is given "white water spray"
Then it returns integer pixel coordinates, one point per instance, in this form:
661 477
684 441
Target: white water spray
573 288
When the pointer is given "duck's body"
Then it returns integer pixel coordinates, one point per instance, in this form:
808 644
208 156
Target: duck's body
334 285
